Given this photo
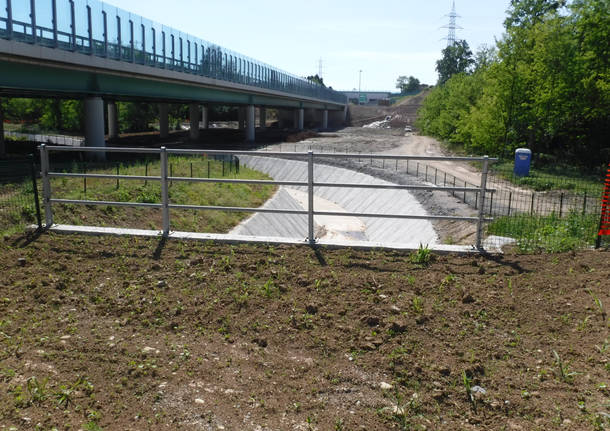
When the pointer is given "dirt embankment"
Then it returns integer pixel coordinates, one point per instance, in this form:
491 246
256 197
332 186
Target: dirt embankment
403 113
116 333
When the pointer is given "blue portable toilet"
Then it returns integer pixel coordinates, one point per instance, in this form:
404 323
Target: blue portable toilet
523 160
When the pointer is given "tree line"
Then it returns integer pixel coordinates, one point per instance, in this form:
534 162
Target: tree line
544 86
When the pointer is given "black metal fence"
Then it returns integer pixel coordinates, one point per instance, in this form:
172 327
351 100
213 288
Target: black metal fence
19 204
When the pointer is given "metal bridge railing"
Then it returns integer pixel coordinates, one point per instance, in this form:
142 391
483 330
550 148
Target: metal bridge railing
165 179
94 28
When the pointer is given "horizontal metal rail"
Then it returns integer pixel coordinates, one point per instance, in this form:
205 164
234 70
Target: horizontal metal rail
238 209
270 154
103 176
165 179
105 203
236 181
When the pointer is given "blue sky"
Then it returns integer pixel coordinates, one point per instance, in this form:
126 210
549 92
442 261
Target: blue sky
384 39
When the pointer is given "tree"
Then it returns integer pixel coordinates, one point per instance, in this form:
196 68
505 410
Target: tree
527 13
316 79
457 58
407 85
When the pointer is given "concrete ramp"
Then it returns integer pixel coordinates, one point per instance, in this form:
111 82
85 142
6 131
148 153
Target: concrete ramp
336 228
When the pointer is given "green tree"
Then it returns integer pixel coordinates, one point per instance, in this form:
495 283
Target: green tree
457 58
316 79
408 85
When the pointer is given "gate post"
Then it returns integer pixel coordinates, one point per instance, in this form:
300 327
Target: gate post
164 192
310 222
46 185
482 207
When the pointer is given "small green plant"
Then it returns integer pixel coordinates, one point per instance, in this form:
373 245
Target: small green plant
37 389
467 382
598 303
564 373
268 288
422 256
418 304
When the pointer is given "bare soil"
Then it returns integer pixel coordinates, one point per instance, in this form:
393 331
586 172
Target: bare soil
137 334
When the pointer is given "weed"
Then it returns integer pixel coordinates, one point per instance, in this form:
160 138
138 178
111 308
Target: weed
467 382
564 372
418 304
422 256
268 288
37 389
598 303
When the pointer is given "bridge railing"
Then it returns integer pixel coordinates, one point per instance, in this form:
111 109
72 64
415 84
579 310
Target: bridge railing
166 178
94 28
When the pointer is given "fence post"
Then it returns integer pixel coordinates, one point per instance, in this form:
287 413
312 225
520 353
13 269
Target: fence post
510 201
561 205
584 204
482 206
532 204
164 192
35 187
310 221
46 185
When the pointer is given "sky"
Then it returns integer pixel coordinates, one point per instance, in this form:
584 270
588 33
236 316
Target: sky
384 39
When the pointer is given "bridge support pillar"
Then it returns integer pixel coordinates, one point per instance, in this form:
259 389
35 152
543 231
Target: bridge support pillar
301 123
94 124
250 123
262 112
164 120
194 116
204 117
241 118
325 119
113 120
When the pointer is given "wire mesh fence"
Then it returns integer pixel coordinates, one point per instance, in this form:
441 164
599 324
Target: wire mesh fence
19 206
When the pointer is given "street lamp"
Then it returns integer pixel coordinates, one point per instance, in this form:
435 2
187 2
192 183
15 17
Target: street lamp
359 85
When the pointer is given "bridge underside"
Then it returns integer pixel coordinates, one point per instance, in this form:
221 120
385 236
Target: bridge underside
19 79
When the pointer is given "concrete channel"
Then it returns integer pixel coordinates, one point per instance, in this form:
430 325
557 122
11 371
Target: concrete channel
329 229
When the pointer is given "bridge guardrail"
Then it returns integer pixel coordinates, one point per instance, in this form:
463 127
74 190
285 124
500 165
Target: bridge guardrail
94 28
165 179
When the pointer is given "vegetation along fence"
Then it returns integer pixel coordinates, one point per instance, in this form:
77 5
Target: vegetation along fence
18 195
543 211
549 210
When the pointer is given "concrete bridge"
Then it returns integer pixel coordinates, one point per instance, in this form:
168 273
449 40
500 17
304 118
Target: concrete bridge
89 50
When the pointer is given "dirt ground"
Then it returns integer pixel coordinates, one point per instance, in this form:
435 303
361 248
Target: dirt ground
138 334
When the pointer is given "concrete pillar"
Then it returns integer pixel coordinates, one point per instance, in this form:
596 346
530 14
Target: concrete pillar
2 144
241 118
301 124
325 119
164 120
262 118
94 124
113 120
250 123
205 121
194 120
295 119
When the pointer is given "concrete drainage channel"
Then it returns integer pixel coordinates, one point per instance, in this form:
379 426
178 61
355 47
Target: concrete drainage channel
315 205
